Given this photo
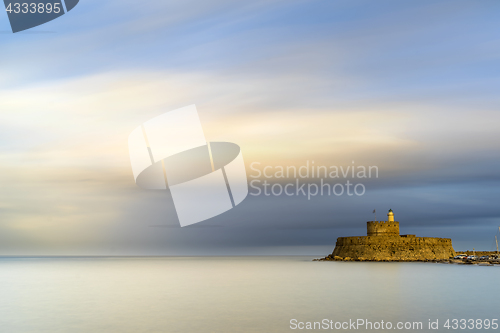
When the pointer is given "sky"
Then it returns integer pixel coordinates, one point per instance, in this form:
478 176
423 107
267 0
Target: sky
409 87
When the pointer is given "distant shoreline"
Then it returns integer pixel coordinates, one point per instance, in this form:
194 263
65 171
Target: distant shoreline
478 253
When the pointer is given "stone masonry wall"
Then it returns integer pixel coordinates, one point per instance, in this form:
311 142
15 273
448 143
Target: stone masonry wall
382 228
407 247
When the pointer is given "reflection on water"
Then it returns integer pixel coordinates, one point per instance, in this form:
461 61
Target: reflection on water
233 294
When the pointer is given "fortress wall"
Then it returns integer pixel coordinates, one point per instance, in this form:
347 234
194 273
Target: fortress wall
375 240
393 248
382 228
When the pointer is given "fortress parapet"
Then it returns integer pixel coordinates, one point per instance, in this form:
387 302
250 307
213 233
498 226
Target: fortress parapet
382 228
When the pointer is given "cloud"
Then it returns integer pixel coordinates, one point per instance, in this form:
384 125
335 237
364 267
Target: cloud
85 121
287 81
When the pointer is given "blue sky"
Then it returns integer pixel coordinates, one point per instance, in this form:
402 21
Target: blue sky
411 87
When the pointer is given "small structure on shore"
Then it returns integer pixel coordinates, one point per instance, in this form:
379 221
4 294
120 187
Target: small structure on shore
384 243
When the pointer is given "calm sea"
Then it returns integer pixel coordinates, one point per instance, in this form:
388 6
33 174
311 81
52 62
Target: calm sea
236 294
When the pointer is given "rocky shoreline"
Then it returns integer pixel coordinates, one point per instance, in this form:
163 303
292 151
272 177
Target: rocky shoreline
490 262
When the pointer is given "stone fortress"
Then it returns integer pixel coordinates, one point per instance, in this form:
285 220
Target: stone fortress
384 243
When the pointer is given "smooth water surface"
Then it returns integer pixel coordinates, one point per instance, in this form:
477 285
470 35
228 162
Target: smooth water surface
234 294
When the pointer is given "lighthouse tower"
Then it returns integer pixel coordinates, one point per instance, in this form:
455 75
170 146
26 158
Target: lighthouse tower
390 216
